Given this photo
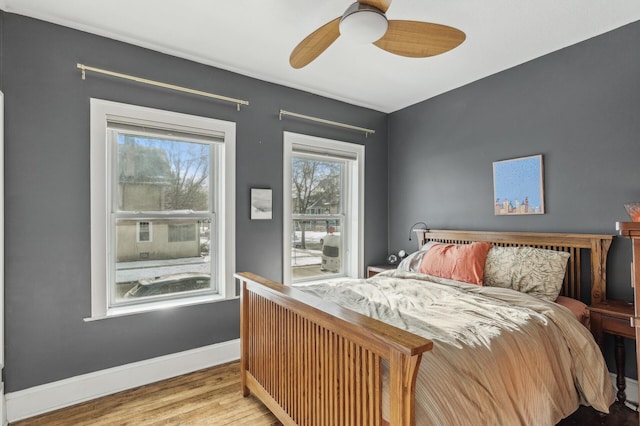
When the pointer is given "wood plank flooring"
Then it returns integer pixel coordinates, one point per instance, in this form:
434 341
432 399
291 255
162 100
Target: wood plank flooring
212 397
207 397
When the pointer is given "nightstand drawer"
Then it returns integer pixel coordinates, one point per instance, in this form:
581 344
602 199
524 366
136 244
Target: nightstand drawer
618 326
612 316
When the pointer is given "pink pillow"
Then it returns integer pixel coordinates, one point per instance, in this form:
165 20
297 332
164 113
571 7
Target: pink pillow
578 308
456 262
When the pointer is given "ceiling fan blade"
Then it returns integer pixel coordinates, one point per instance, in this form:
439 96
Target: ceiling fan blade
416 39
383 5
314 44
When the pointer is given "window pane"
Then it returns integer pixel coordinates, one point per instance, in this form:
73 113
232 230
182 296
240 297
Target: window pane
316 190
162 174
316 186
316 248
182 232
175 260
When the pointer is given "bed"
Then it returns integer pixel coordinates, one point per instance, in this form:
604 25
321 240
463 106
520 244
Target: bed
320 356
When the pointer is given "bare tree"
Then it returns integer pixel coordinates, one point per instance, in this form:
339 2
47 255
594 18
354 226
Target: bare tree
188 188
314 183
180 171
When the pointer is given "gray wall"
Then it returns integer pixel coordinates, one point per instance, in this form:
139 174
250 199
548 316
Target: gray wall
579 107
47 194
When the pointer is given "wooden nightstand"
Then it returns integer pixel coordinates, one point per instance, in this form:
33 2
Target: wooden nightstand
614 317
376 269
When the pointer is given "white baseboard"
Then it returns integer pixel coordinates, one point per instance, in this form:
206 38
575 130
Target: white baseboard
64 393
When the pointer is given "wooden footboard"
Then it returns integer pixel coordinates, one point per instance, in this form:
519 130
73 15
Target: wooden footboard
314 363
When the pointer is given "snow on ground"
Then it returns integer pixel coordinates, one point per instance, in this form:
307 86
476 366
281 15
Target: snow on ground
300 257
141 269
310 236
145 269
306 257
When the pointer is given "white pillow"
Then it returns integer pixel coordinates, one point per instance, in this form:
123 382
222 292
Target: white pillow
411 263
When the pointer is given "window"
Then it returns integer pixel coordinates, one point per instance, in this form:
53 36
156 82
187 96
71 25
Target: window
323 205
162 209
144 232
179 233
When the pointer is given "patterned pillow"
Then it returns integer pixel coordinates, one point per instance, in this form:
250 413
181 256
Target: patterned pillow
535 271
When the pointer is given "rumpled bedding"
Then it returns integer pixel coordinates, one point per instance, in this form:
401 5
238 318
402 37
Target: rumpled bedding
500 357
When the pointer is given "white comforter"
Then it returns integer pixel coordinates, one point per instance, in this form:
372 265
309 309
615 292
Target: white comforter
499 358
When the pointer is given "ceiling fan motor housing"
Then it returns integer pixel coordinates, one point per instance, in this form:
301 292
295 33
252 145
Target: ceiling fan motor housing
363 23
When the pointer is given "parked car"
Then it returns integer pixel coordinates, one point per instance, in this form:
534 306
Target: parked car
331 260
168 284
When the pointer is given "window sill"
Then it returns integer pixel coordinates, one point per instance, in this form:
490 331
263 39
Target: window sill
157 306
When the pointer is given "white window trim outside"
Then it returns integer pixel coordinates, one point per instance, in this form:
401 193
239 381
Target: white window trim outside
354 266
101 110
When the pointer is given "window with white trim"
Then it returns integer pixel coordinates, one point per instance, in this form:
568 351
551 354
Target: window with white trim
144 232
162 209
323 208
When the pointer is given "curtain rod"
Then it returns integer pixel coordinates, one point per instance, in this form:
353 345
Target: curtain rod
85 68
322 120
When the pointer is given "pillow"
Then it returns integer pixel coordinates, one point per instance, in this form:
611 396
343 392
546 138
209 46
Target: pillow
535 271
578 308
456 262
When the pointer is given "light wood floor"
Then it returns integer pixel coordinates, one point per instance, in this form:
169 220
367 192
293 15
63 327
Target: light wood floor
206 397
212 397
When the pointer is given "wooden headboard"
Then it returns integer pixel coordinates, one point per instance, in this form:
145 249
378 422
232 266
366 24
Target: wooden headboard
574 244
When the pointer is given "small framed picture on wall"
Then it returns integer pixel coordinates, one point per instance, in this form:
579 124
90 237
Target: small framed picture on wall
518 186
261 204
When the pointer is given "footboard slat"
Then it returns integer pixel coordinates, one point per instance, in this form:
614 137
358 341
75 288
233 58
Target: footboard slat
313 363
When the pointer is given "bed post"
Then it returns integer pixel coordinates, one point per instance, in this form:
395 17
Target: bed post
244 335
403 371
599 250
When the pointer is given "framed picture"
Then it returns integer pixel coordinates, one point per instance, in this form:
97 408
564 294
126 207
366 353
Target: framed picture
261 204
518 186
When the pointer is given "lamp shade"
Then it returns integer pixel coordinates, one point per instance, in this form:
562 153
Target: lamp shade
362 23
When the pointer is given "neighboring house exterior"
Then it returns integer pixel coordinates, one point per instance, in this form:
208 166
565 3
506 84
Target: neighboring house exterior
157 240
143 185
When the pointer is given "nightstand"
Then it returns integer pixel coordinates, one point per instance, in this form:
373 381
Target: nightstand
614 317
376 269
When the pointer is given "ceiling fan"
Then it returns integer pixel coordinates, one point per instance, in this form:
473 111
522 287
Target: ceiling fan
365 21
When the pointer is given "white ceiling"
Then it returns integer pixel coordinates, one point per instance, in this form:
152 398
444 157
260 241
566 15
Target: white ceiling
256 37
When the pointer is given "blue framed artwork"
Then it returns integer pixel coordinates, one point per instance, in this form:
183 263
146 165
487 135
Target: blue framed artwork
518 186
